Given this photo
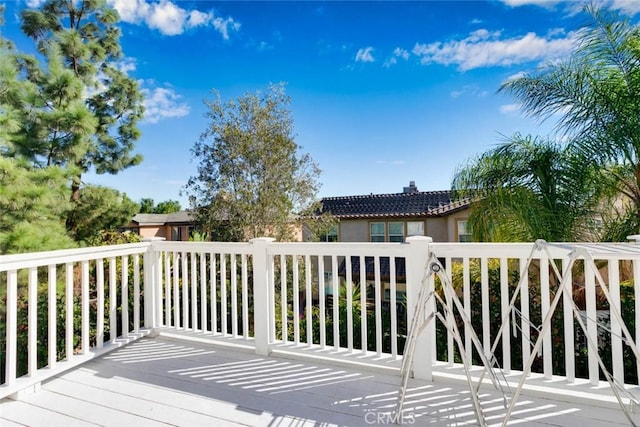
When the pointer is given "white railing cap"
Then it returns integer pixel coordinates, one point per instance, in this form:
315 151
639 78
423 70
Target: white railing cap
635 237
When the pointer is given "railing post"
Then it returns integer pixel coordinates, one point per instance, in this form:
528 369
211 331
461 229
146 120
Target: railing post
151 275
262 311
416 263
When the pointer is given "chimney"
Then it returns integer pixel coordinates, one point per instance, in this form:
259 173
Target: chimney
411 188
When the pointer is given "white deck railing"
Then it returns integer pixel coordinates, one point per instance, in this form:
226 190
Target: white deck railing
340 300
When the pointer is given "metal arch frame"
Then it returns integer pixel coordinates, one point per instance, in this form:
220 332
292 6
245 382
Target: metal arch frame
419 322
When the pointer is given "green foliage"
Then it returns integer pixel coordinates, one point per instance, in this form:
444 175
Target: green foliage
64 112
146 205
251 177
594 98
98 209
168 206
318 224
105 238
534 189
33 203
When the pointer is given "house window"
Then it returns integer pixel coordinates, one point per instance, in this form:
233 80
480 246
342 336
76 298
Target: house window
331 235
415 228
464 233
396 232
376 231
175 233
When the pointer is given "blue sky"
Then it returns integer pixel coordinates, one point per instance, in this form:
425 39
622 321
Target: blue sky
383 93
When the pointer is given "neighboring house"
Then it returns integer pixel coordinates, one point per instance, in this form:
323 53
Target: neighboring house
173 226
394 217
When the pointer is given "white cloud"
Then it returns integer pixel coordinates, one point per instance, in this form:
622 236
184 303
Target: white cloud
197 18
163 103
389 62
471 90
397 53
509 108
225 25
486 49
630 7
126 65
401 53
365 55
169 18
543 3
35 3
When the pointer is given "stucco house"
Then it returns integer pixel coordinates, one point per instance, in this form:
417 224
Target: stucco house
394 217
173 226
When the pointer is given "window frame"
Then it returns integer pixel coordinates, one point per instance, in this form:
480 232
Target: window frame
377 235
393 238
463 237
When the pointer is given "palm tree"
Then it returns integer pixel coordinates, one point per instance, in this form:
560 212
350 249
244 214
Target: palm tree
595 97
527 189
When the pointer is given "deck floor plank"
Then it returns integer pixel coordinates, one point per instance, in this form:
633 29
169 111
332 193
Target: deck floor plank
162 381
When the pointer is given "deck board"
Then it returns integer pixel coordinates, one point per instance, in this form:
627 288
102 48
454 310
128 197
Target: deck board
162 381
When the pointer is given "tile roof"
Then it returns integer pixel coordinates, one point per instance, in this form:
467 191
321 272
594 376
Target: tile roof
397 205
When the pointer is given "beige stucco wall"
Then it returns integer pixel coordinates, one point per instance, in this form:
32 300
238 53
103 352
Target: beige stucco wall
437 229
152 231
354 231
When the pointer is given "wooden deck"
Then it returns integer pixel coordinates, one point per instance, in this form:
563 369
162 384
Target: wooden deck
163 381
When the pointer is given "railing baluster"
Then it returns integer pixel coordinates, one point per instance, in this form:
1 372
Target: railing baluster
592 325
136 294
234 295
349 286
569 339
223 294
176 290
214 294
194 292
245 298
167 289
336 302
486 326
545 300
185 290
322 295
296 301
203 291
393 308
68 294
450 349
32 339
308 301
378 296
284 312
84 284
113 326
125 296
616 330
52 332
99 303
525 318
504 306
363 305
466 296
271 304
12 327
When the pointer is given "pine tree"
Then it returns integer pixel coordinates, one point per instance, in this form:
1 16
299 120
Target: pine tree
83 38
